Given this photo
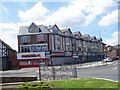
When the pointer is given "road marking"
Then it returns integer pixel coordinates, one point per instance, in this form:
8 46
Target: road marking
105 79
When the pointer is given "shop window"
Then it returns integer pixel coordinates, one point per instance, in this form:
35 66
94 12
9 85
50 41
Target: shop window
25 63
41 62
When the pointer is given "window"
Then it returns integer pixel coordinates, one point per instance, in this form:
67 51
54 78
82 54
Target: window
41 48
25 63
68 44
4 51
25 49
41 38
34 48
25 39
74 44
57 42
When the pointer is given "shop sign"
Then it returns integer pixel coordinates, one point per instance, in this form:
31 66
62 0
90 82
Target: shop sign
58 54
31 55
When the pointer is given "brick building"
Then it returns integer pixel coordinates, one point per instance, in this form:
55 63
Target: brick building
8 56
113 51
52 46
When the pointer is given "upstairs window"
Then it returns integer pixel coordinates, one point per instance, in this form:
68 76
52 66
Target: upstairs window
41 38
25 39
57 42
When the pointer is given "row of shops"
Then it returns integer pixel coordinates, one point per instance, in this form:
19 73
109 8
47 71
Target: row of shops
34 59
49 45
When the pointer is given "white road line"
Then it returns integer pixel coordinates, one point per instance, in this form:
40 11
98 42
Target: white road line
105 79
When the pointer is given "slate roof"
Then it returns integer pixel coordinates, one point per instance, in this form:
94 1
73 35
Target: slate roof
65 30
24 30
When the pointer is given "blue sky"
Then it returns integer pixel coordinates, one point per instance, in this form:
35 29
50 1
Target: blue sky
94 17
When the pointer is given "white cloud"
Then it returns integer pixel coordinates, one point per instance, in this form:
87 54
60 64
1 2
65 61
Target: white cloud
37 12
3 8
69 15
78 12
113 40
8 33
109 19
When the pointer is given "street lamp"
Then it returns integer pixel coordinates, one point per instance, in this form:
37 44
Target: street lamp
39 71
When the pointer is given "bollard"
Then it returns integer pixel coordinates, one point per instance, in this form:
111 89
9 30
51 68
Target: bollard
39 73
75 72
53 73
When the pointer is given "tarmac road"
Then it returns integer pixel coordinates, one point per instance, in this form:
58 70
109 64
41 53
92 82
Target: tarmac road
108 72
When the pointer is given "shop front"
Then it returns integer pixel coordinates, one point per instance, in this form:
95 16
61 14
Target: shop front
75 57
57 58
33 59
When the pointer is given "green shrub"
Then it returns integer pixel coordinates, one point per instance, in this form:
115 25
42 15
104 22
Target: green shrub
34 86
23 87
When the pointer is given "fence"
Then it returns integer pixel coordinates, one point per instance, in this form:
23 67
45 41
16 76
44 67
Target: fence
57 73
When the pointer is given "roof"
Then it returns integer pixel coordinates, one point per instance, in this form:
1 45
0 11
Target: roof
99 39
92 38
86 35
76 33
43 29
65 30
7 45
24 30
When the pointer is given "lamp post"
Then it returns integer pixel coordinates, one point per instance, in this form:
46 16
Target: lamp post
39 72
53 70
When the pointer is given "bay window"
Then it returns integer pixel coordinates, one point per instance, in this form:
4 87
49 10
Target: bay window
68 44
57 42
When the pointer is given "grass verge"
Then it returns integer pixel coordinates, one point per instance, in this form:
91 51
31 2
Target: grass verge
83 83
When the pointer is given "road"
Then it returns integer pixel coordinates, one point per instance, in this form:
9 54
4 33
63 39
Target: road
109 71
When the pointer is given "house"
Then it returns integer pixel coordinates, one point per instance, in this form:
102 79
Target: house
8 57
111 51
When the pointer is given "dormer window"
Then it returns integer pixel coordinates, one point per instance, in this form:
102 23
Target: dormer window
40 30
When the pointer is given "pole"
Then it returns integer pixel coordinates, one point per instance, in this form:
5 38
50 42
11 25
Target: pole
53 70
39 72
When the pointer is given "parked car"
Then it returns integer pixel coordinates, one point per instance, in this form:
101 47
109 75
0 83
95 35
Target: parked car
108 59
115 58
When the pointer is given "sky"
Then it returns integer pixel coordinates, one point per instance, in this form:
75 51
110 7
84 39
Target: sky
94 17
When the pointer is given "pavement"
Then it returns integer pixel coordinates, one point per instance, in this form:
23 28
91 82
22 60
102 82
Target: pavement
83 65
94 64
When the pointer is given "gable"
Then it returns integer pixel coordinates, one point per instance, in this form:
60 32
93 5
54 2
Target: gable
56 30
69 33
33 29
79 35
